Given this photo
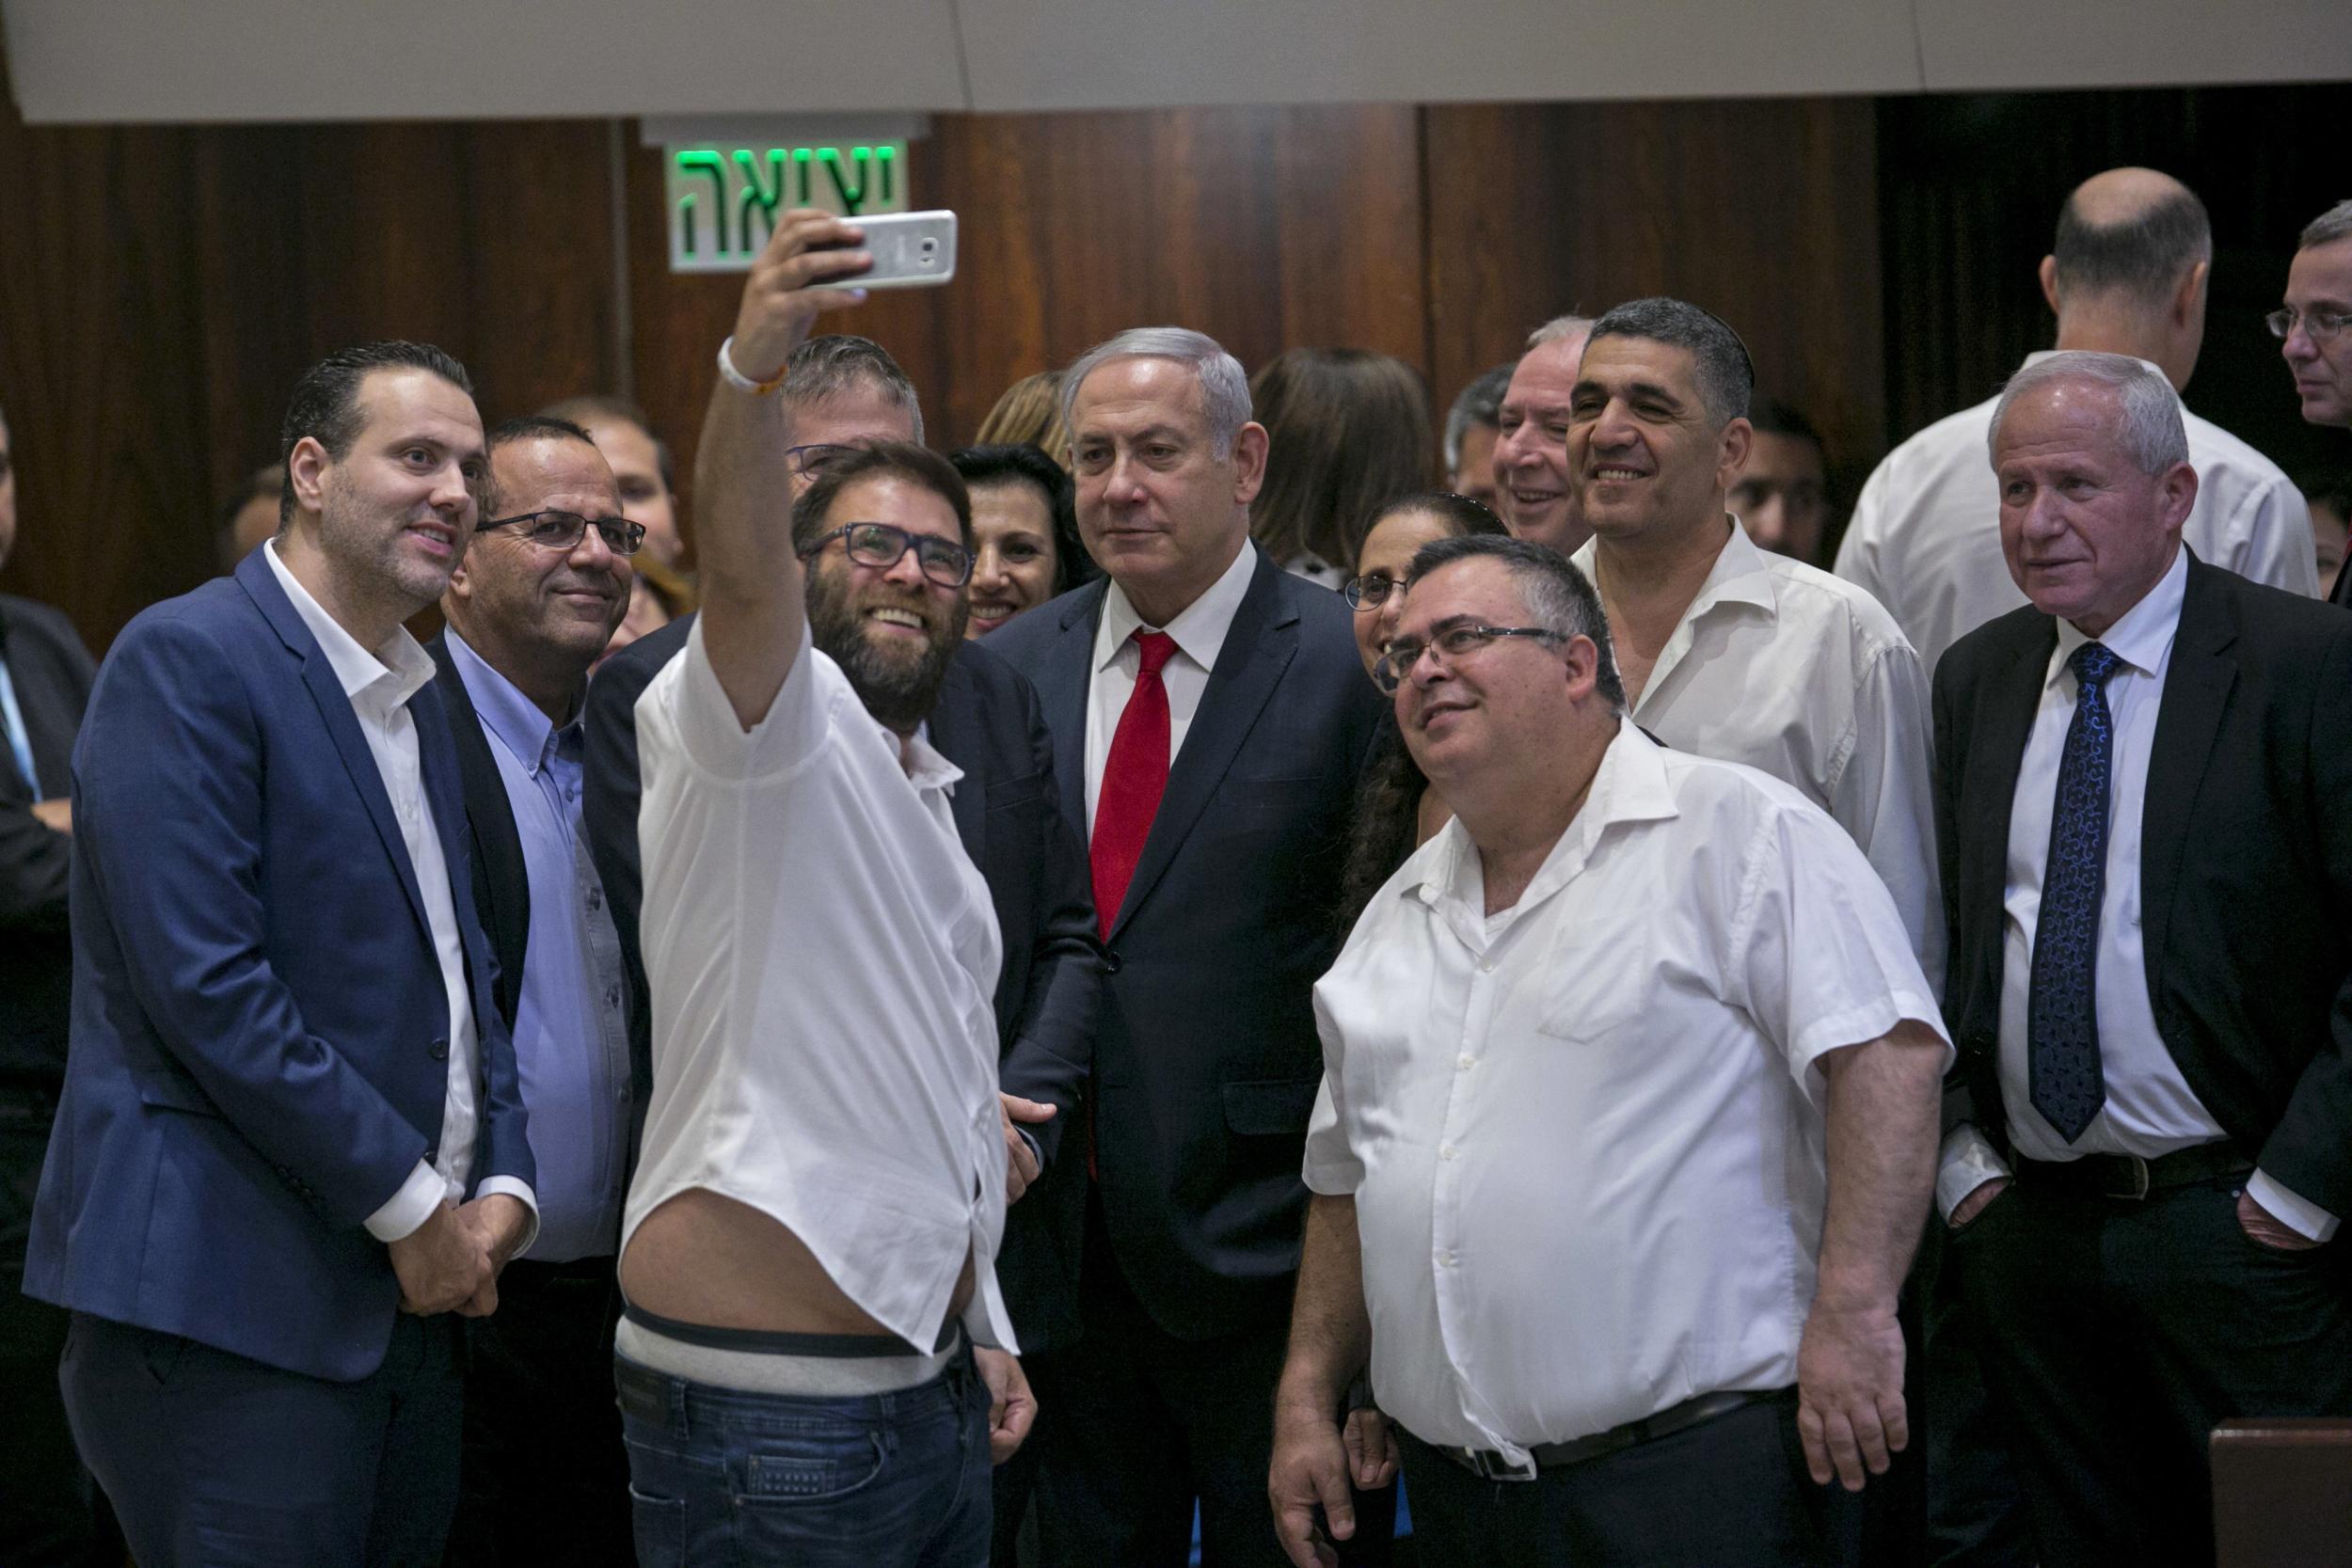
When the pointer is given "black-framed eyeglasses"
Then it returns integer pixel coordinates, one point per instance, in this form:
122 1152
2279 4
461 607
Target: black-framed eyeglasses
2320 326
1370 591
881 547
811 461
1458 642
562 530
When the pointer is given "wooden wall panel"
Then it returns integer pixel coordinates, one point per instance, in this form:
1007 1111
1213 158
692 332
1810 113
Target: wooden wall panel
1764 212
1266 228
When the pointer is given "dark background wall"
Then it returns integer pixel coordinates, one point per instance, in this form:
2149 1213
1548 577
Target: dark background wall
160 288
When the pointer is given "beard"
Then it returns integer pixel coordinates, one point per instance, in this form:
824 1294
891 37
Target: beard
897 683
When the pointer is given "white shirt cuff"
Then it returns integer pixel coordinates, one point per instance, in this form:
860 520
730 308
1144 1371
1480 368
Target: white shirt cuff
2300 1214
408 1210
515 1187
1967 1163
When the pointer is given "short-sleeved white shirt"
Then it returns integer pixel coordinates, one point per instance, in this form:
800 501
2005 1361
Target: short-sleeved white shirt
822 957
1585 1137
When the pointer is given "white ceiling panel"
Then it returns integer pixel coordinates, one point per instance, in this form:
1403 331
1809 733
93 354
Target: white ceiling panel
109 60
1995 46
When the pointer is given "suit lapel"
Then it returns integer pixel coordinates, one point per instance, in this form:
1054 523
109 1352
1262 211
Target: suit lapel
1258 648
335 712
2005 720
955 734
1063 679
2196 687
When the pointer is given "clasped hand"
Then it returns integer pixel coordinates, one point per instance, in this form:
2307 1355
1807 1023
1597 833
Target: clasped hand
451 1263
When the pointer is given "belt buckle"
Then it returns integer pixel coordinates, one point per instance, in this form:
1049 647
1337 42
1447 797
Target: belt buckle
2139 1180
1490 1464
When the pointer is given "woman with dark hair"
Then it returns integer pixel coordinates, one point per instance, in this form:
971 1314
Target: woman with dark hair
1347 432
1396 810
1025 528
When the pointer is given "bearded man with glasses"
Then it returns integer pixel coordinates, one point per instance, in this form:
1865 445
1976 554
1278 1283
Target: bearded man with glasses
1626 1132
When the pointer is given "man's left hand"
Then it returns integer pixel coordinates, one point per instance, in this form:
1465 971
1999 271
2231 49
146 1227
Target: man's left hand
1011 1405
1850 1392
1021 1166
500 1220
2267 1229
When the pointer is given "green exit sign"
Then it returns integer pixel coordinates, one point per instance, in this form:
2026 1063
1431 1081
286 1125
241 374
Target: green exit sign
725 201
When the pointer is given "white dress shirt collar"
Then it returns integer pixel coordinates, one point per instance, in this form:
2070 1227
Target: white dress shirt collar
1198 629
401 658
1741 577
2142 635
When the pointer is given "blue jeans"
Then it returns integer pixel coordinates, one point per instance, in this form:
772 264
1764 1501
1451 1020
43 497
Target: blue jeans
718 1476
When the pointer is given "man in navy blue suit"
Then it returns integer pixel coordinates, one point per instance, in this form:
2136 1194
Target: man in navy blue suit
290 1143
1209 717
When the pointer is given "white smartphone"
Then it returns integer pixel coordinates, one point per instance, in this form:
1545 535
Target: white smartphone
911 250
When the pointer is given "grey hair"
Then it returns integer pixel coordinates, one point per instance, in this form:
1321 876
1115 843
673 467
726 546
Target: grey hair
2330 226
1559 597
1224 385
1559 327
1726 373
2152 431
824 368
1481 403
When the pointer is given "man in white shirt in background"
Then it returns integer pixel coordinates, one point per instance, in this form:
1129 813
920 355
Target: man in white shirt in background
1616 1185
808 1245
2127 275
1726 650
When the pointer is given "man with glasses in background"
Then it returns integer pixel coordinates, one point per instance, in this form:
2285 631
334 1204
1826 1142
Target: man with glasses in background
1633 1250
2310 329
530 608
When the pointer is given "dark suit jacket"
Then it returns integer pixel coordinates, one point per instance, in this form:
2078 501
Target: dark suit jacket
2246 862
502 883
260 1029
1207 1060
51 672
1010 820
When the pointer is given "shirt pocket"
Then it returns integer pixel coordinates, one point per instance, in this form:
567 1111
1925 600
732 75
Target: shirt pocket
1597 981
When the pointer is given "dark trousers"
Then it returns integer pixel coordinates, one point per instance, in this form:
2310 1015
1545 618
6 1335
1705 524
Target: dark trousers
1144 1423
545 1477
2119 1334
210 1459
51 1515
719 1477
1729 1493
1976 1507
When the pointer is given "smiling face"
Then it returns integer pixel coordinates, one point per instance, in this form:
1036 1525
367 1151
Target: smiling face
1012 525
2085 532
1530 455
1388 552
1645 455
539 615
2319 283
1485 713
1162 512
397 511
893 631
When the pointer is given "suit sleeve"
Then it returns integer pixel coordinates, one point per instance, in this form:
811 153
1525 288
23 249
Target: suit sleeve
169 794
51 672
34 860
2310 1151
1053 1053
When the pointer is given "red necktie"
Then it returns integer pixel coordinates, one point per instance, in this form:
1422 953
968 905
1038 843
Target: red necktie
1135 775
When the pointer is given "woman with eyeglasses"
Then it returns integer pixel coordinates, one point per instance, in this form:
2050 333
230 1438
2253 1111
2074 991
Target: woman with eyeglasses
1396 810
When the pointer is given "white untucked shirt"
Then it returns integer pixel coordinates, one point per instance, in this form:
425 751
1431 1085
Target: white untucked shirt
1585 1137
2149 1110
379 685
822 956
1780 666
1925 533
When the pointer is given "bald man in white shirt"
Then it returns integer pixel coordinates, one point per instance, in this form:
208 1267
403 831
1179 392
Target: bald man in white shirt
1617 1174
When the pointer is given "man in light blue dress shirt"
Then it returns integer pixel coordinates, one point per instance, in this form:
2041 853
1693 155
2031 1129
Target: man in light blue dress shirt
547 580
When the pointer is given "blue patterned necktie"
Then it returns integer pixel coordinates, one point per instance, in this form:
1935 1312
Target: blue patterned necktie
2062 1073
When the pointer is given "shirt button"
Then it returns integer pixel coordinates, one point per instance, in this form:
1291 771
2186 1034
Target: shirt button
596 898
1447 1151
1467 1062
1445 1259
612 996
1486 968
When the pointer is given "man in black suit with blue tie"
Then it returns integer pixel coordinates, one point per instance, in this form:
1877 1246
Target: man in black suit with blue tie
1209 717
2144 796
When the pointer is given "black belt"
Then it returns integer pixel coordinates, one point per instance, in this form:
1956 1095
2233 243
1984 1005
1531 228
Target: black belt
1488 1464
2132 1178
